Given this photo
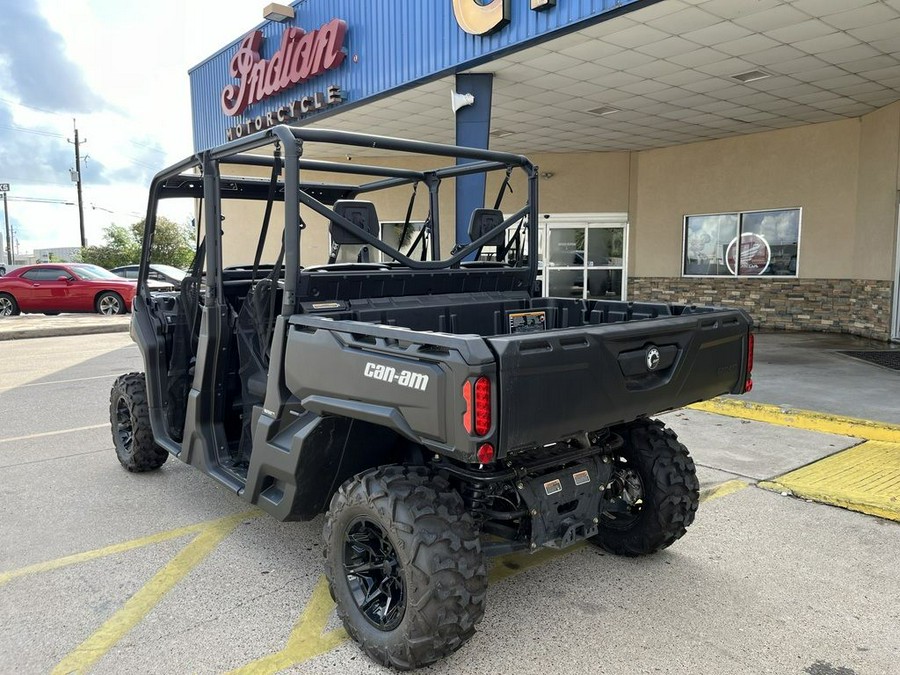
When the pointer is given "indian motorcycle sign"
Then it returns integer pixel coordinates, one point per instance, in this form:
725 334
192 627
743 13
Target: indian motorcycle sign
301 57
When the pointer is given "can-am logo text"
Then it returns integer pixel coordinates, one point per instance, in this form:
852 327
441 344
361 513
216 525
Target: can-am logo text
405 378
300 57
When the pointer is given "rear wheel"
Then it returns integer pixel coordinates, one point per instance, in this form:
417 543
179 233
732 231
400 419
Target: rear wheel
129 416
404 564
8 305
653 494
109 303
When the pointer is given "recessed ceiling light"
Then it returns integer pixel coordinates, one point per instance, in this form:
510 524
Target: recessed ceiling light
751 76
603 110
500 133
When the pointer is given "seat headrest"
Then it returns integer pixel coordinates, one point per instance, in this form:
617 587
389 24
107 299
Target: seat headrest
483 220
360 213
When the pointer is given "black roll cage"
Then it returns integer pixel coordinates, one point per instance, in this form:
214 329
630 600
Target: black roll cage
179 181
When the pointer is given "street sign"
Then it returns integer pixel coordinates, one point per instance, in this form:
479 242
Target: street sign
4 187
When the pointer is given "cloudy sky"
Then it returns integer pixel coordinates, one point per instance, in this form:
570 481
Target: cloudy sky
119 69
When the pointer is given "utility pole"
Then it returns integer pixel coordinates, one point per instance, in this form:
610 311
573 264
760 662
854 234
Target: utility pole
76 178
4 188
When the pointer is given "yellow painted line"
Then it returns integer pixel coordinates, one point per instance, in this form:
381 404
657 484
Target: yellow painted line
865 478
118 548
802 419
141 603
307 639
722 490
53 433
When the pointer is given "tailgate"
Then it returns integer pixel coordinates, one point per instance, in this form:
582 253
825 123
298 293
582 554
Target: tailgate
560 383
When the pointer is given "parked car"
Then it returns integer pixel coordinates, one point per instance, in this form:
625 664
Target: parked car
164 273
70 287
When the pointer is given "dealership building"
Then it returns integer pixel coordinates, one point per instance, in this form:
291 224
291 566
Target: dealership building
735 152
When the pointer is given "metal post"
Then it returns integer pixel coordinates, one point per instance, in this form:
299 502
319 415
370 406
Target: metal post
9 256
473 125
77 178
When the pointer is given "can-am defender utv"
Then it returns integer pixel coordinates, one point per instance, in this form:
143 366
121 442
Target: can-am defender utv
435 407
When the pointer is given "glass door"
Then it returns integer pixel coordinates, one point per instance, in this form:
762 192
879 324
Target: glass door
584 256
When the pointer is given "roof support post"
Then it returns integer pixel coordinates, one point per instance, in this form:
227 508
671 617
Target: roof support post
473 126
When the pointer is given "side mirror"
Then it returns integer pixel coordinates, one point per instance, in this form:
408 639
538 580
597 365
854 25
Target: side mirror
63 277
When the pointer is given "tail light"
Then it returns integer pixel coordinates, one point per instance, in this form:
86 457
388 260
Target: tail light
748 384
477 416
482 406
467 415
485 453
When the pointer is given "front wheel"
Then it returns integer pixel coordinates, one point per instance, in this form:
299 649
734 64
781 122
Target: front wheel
109 303
404 564
8 305
653 494
129 416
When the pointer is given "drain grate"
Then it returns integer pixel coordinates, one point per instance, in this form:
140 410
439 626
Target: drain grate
888 358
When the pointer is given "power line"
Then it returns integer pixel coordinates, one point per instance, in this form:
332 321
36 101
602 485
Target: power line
37 132
30 107
40 200
146 146
149 147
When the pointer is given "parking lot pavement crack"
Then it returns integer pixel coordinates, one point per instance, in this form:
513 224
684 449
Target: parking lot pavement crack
52 459
732 473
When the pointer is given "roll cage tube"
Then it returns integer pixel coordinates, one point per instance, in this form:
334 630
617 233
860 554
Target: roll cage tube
293 195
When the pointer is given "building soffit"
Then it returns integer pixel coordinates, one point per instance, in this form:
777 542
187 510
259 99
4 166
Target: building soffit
663 75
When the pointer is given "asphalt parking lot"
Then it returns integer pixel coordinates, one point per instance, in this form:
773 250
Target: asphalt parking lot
104 571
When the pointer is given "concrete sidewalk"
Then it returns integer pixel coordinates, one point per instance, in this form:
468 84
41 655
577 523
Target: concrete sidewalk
41 326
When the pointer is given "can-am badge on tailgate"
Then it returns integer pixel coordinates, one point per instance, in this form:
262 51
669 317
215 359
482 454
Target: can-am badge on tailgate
405 378
652 359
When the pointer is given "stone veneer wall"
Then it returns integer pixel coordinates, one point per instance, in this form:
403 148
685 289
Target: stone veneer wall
858 307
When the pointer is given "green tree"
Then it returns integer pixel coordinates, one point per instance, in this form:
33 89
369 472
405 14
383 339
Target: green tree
172 245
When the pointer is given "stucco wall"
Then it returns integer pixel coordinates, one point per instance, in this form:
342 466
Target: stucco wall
814 167
876 212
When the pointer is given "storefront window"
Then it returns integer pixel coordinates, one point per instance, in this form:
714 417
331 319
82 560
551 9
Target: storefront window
749 243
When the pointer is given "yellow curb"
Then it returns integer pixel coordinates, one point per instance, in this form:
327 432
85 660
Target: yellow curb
865 478
802 419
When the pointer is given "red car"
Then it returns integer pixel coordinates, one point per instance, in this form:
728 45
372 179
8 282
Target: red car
71 287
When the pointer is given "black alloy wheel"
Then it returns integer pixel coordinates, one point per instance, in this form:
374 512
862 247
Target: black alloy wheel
373 574
652 496
123 427
625 495
129 419
404 565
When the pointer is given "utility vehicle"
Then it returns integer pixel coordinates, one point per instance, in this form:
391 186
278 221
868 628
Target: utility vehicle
432 405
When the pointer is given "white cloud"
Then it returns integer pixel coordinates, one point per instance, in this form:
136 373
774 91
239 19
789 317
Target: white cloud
131 60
